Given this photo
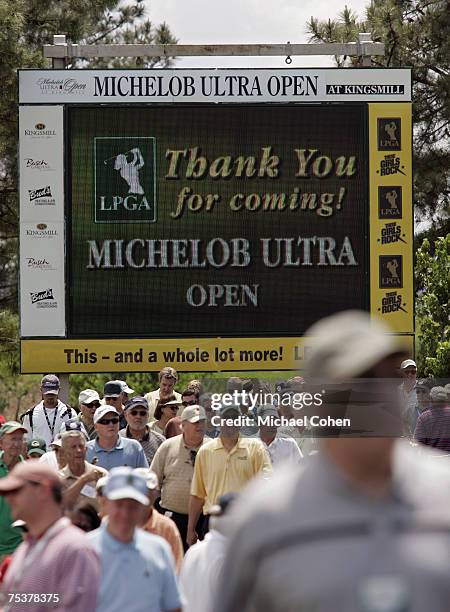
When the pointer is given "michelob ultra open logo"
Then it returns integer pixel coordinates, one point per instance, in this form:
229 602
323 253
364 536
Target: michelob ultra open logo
125 183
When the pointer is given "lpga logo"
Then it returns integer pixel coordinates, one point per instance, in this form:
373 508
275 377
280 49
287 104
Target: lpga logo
125 185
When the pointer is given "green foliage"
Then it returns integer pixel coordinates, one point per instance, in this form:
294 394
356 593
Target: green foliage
433 307
416 33
26 26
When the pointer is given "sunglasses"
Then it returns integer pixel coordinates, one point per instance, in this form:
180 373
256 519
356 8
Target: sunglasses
113 421
93 405
141 413
191 403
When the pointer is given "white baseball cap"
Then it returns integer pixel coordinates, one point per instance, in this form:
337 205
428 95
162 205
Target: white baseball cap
104 409
149 476
88 396
407 364
124 483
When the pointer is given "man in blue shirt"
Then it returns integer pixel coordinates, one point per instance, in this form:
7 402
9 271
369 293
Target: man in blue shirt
138 569
110 450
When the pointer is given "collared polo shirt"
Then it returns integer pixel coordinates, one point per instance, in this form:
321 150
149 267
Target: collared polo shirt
218 471
10 537
173 464
125 452
137 576
283 449
151 441
63 564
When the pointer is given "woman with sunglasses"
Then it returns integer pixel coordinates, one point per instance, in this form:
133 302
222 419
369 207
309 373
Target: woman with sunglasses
165 410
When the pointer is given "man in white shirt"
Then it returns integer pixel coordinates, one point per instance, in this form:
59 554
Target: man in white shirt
45 420
281 449
168 378
201 570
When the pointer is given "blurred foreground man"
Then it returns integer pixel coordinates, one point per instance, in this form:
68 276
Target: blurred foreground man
55 565
365 525
138 570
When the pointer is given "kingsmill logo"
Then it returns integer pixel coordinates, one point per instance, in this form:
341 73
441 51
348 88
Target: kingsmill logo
125 183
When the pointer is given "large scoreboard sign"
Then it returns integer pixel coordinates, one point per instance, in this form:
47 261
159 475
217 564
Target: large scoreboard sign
205 219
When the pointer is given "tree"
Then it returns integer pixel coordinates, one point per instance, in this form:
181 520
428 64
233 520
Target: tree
415 33
26 26
433 307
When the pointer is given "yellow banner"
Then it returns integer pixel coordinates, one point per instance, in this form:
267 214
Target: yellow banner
189 355
391 215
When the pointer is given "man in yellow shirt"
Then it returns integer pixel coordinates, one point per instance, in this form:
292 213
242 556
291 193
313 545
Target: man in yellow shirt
224 465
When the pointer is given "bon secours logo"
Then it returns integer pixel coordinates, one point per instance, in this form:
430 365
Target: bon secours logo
61 86
40 131
42 196
43 299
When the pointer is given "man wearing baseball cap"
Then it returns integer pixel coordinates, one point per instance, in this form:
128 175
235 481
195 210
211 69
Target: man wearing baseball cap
433 424
110 450
136 415
11 443
224 465
408 395
173 465
138 571
113 395
88 402
46 418
36 447
365 523
157 523
56 559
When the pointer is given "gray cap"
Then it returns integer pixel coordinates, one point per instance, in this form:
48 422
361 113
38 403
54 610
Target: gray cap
438 394
348 344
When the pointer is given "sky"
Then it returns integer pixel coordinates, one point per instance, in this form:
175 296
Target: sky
245 22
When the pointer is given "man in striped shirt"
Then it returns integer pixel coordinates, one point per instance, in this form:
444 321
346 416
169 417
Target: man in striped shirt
55 567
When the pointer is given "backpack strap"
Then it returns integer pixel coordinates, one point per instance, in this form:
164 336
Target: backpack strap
29 414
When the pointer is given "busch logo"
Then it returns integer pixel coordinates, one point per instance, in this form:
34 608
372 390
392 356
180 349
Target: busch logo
392 302
391 271
36 164
38 264
125 180
40 296
389 134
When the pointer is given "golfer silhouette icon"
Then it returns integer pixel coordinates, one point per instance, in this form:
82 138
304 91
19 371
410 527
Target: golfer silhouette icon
391 129
129 170
392 268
